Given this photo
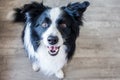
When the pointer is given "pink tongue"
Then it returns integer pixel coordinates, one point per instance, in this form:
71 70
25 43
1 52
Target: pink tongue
53 48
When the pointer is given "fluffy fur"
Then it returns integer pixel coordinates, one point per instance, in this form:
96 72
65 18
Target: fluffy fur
49 34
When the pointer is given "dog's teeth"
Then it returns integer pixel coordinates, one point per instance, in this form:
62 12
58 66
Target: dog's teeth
53 49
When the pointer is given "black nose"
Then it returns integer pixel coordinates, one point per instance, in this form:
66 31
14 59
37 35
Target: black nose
52 40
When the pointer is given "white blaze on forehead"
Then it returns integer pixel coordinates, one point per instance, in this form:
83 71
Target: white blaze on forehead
54 14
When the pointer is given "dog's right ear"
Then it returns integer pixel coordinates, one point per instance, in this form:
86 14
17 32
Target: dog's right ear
28 12
76 10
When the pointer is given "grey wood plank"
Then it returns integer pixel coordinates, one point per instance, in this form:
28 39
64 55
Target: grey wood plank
97 56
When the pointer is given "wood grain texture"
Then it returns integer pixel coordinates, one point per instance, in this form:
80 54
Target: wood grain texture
97 56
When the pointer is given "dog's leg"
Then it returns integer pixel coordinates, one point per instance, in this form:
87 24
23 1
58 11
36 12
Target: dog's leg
59 74
35 67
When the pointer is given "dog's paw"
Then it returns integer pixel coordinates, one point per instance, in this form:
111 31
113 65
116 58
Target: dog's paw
35 67
60 74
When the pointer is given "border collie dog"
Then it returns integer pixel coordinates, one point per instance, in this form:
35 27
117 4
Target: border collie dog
50 34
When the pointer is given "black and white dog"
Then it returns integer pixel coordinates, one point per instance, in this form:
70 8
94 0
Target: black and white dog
49 34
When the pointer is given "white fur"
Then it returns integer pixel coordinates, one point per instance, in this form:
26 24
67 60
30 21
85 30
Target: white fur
54 14
51 64
27 42
60 74
35 67
47 63
52 30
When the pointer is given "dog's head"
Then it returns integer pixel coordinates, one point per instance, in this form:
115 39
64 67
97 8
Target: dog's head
55 27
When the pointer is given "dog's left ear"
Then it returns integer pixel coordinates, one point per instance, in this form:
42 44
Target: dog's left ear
28 12
77 9
33 10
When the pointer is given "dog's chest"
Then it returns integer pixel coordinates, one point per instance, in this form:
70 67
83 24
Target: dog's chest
51 64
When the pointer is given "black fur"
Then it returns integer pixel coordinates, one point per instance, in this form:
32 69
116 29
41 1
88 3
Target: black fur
34 9
72 16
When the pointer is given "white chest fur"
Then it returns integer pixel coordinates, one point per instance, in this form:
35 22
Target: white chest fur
48 64
51 64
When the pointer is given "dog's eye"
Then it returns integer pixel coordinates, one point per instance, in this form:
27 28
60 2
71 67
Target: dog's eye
44 24
63 25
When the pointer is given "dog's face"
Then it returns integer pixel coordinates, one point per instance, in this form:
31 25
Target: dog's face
54 27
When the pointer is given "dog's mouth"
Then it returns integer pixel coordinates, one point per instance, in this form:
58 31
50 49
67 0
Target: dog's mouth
53 50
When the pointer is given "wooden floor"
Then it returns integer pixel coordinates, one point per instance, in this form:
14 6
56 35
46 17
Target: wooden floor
98 47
